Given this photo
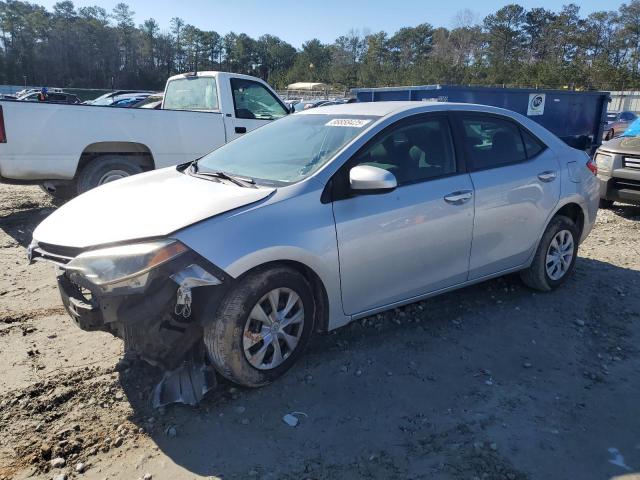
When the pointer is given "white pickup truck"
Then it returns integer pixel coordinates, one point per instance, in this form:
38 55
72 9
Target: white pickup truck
69 149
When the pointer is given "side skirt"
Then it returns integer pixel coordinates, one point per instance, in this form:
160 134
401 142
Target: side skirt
436 292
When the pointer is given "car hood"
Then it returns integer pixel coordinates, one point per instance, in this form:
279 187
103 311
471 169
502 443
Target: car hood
148 205
622 145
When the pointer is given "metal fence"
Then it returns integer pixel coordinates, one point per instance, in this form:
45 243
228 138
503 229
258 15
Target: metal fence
625 100
327 94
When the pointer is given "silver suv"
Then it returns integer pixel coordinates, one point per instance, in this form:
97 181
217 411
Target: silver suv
313 221
618 162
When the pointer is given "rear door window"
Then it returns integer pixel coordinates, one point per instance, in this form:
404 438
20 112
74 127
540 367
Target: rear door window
492 142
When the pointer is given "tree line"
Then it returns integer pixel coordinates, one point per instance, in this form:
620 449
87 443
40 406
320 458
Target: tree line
88 47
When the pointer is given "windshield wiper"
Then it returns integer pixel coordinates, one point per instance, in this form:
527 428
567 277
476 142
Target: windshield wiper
240 181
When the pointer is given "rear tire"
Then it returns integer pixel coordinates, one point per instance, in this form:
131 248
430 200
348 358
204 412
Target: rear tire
604 203
105 169
235 335
543 275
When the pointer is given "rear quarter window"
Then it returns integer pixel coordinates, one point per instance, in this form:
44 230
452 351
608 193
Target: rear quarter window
532 145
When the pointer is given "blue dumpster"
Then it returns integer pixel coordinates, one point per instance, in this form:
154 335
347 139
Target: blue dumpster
578 118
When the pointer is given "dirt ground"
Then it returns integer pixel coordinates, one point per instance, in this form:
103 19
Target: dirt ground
490 382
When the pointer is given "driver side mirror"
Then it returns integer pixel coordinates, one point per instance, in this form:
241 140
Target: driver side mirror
369 179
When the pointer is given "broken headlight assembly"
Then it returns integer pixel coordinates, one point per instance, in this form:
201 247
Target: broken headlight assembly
120 266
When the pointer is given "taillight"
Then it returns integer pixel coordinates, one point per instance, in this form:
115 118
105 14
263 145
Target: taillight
3 132
591 165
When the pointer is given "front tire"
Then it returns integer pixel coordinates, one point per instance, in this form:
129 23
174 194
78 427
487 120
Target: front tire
556 256
261 327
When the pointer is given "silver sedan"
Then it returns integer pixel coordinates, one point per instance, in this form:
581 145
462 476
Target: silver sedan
313 221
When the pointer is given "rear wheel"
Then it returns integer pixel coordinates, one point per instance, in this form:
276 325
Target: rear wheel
106 169
556 256
262 326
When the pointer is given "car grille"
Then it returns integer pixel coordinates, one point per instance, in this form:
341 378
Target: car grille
626 184
55 253
631 162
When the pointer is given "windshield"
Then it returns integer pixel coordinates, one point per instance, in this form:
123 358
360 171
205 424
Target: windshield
287 150
191 93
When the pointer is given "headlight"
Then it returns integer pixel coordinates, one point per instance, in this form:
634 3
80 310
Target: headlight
603 161
112 265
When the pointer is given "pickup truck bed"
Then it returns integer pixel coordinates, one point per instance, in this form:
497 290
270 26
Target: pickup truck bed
44 150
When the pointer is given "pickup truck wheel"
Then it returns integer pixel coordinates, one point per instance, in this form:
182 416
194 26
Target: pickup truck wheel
106 169
556 256
261 327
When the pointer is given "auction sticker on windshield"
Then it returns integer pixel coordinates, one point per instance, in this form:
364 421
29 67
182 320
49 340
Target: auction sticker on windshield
347 122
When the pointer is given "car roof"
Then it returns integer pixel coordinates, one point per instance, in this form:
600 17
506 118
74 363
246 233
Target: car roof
389 109
382 109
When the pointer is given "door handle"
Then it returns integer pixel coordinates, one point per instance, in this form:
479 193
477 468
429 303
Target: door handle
547 176
241 129
459 197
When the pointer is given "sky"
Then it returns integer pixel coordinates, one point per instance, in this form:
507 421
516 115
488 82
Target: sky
297 21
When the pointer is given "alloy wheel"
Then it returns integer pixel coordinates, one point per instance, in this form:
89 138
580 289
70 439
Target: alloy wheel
273 328
560 254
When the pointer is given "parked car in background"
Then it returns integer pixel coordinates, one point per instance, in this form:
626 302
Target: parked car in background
152 101
360 208
70 149
618 163
109 98
27 91
307 104
617 123
52 97
129 100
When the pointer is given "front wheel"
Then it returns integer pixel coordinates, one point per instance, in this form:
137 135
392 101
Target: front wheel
261 327
556 256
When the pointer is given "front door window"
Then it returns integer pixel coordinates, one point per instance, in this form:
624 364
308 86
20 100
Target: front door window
254 101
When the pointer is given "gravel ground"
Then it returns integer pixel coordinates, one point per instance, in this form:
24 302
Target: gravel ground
489 382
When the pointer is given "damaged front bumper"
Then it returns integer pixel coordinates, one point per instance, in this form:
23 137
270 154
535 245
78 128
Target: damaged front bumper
160 317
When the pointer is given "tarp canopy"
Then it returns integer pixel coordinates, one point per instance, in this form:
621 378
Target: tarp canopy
306 86
633 130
